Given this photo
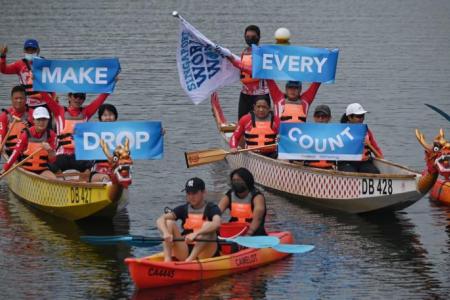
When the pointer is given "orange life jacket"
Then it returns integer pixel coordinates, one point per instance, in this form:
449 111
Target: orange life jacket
194 221
26 78
261 133
39 161
246 60
65 139
11 140
241 209
321 164
293 113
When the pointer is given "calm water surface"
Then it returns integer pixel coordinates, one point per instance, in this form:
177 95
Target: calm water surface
394 58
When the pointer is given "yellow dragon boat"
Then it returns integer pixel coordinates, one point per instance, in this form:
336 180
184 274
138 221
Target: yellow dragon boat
72 196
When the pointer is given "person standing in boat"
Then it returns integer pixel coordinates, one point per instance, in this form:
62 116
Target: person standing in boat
354 114
19 110
30 140
66 118
259 128
252 88
23 69
247 205
200 219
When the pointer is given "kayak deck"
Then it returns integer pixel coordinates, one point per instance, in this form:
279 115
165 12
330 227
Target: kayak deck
152 271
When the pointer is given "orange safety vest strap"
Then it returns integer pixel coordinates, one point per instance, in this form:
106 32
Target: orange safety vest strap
293 113
261 133
193 222
241 211
39 161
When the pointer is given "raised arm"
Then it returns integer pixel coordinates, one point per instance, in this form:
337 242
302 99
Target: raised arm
51 103
311 92
90 109
275 93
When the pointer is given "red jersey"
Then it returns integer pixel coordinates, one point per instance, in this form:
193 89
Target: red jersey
22 145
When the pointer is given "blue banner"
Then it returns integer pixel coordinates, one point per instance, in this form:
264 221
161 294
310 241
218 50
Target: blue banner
294 63
75 76
145 138
313 141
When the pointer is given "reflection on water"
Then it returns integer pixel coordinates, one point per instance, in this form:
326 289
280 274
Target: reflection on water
392 60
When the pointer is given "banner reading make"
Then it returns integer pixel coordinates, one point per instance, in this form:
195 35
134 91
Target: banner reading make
75 76
321 141
294 63
146 140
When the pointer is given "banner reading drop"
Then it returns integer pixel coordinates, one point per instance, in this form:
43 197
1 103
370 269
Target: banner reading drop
145 138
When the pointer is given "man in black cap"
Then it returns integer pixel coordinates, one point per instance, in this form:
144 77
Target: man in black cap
200 219
294 105
322 114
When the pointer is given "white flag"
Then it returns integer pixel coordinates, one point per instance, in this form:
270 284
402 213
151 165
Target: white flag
201 69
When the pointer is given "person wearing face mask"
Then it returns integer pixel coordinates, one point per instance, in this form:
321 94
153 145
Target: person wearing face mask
354 114
66 118
23 69
19 110
247 205
259 128
251 87
30 140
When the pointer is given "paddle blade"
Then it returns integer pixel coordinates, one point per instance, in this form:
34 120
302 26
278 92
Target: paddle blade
289 248
439 111
255 241
197 158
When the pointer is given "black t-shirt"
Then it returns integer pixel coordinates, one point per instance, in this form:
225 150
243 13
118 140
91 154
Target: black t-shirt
211 209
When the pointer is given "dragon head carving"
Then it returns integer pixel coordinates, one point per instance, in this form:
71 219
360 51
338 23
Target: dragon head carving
437 155
120 162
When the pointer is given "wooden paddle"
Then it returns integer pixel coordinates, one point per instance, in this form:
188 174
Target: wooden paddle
20 163
202 157
15 120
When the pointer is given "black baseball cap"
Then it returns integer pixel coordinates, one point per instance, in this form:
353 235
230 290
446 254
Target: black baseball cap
194 185
325 109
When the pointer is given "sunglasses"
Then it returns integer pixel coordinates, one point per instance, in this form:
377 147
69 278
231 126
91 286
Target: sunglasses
358 116
79 96
321 116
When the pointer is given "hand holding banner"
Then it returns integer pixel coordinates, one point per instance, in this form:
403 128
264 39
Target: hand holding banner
146 140
313 141
75 76
294 63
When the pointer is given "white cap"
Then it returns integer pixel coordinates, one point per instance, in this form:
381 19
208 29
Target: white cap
282 34
355 109
40 113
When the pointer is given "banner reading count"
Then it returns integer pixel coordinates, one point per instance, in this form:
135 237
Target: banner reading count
321 141
294 63
75 76
146 140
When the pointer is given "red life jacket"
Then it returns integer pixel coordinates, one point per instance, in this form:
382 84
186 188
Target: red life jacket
294 112
261 133
39 161
65 138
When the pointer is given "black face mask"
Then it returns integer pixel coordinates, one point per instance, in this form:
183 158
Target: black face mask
238 187
252 40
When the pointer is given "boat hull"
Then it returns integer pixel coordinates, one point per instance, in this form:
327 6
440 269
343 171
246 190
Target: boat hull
441 191
152 271
394 189
65 199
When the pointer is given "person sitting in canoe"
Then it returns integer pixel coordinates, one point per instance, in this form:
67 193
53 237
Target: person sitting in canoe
247 205
200 219
322 114
38 136
355 114
294 105
252 88
66 118
15 118
259 127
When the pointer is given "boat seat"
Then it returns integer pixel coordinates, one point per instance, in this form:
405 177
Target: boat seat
74 175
